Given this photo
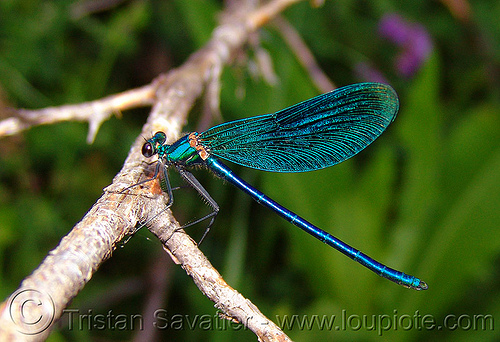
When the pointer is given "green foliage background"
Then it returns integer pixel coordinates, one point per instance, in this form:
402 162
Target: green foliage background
425 198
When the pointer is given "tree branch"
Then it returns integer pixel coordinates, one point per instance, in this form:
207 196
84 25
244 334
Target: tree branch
94 112
304 55
68 267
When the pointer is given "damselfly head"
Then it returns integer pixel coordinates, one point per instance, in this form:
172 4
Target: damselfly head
149 148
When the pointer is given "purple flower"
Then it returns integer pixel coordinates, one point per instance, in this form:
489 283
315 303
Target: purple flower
367 72
413 39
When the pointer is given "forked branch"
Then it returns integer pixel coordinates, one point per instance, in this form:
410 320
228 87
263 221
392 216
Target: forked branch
68 267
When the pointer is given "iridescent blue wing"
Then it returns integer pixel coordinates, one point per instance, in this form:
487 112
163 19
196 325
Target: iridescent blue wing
310 135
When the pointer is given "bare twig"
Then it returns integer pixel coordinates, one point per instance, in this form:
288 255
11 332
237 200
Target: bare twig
230 302
94 112
304 55
160 277
459 8
67 268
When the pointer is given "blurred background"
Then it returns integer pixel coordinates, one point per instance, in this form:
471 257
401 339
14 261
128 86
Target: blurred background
424 198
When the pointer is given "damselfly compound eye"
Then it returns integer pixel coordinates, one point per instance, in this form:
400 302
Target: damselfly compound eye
160 137
148 150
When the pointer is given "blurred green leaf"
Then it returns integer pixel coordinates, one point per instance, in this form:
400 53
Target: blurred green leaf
200 17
